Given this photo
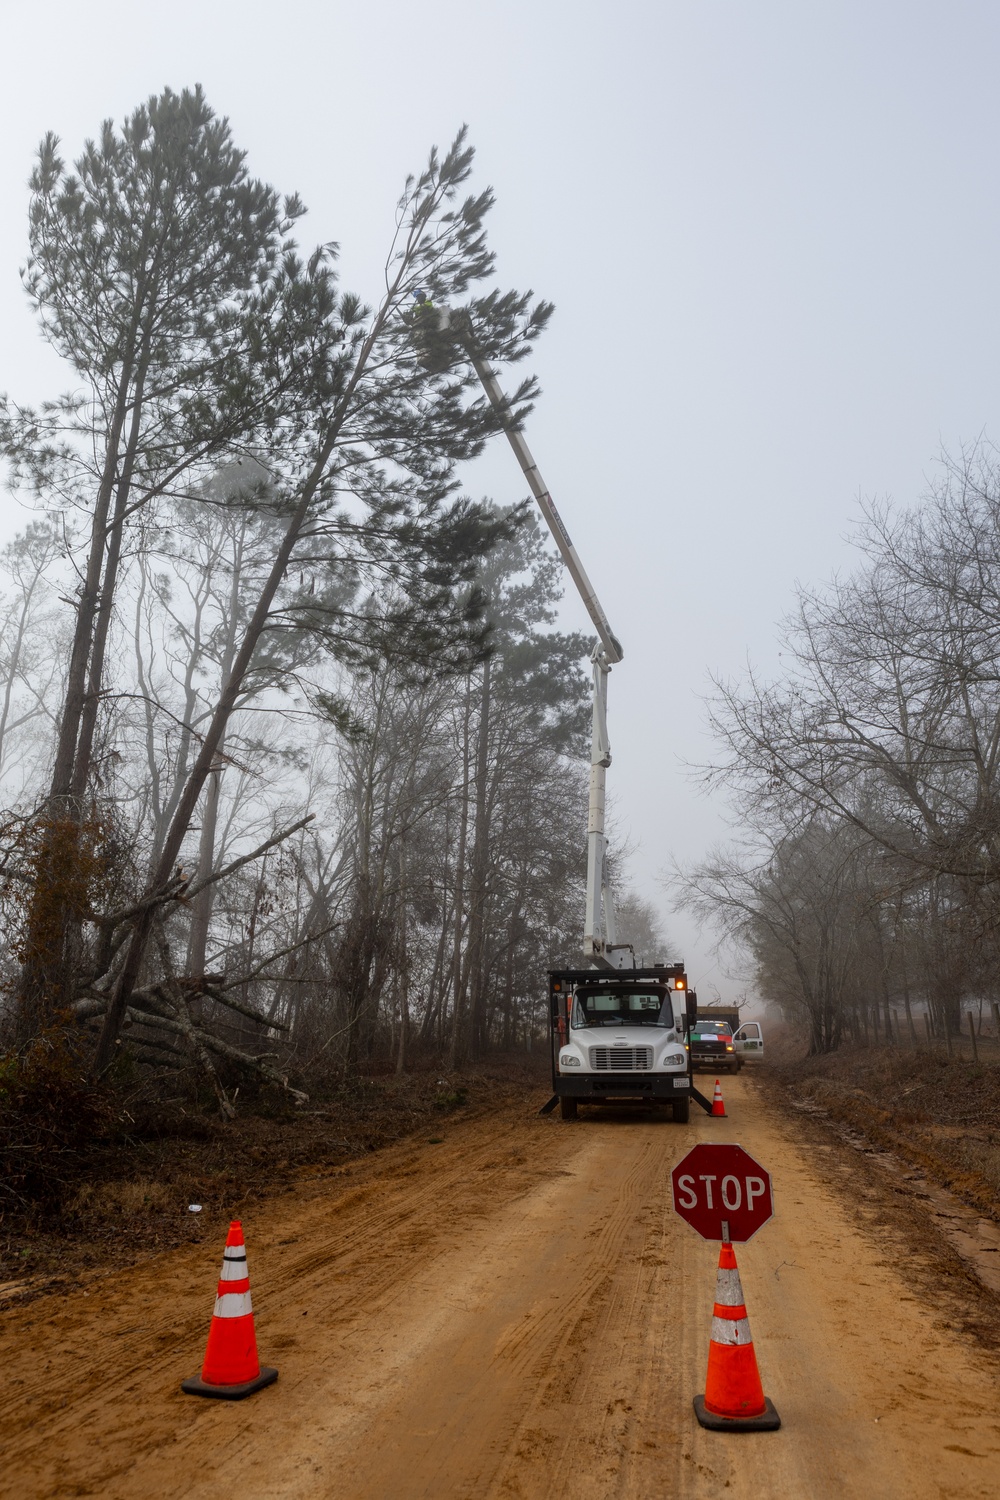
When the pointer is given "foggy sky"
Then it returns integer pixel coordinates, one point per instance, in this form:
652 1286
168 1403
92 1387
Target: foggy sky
769 228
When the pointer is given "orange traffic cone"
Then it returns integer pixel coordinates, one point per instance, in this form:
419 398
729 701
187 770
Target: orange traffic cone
231 1369
734 1399
718 1108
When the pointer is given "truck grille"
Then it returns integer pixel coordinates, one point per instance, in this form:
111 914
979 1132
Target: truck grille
620 1059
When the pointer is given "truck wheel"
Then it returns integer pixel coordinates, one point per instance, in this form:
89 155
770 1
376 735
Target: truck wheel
682 1111
567 1108
734 1067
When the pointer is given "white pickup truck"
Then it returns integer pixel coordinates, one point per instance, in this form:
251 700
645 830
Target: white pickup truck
619 1035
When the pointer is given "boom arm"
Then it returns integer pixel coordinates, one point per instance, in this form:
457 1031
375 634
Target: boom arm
609 641
599 923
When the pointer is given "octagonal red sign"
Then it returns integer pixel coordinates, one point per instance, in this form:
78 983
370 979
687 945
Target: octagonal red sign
718 1183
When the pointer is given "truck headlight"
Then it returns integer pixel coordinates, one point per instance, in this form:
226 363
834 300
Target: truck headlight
567 1060
674 1059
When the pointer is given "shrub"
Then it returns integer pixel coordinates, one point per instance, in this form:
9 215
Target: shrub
448 1101
49 1115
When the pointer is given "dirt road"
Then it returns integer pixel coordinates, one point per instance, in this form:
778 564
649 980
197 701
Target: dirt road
512 1312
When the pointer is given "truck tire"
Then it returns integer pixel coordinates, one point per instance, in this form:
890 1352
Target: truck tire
734 1067
681 1111
567 1108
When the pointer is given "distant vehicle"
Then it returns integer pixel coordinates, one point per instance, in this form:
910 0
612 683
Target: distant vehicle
749 1041
712 1045
709 1048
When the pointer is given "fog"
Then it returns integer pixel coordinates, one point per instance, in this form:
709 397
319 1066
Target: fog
769 231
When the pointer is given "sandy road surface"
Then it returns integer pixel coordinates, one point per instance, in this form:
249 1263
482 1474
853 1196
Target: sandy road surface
514 1312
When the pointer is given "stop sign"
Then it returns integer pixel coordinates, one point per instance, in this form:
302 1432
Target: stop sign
717 1184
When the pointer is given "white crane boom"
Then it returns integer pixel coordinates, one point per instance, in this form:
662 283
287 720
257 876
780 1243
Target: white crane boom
599 936
609 641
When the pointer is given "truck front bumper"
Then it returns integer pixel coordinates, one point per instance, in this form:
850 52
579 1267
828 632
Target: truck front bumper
622 1085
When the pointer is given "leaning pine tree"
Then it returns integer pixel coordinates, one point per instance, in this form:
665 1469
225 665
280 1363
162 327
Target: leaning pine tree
159 271
366 471
169 281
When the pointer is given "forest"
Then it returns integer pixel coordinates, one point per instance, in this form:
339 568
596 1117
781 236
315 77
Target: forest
865 782
292 749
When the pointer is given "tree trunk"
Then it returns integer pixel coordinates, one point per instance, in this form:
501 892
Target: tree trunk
45 971
201 917
402 966
479 880
455 1051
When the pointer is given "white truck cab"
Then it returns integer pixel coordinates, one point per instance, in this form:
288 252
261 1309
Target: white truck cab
618 1035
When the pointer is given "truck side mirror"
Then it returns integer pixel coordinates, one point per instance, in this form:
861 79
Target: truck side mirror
692 1011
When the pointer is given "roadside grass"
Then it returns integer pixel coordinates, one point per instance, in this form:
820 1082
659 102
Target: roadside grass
112 1201
983 1159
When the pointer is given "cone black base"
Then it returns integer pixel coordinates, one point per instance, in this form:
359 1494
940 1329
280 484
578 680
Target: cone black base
768 1421
198 1387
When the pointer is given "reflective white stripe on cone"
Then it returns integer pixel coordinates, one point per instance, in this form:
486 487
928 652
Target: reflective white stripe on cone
734 1398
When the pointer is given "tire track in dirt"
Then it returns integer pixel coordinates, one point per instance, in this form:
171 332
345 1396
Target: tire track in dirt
386 1219
515 1314
590 1443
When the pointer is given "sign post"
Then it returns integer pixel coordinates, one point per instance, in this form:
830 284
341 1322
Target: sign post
724 1194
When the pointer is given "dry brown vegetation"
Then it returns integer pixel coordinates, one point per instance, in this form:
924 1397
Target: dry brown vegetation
939 1111
126 1193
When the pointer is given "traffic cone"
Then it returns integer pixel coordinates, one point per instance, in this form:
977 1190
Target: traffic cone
718 1108
734 1399
231 1369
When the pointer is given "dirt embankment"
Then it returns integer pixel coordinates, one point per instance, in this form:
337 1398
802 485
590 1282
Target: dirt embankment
126 1193
936 1110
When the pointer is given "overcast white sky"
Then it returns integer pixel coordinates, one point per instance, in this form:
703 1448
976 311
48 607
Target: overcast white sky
770 229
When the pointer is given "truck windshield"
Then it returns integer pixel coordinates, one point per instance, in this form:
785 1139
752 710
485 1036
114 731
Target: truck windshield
615 1007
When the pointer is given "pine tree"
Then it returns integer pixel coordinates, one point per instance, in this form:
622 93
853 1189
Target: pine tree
157 270
365 476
